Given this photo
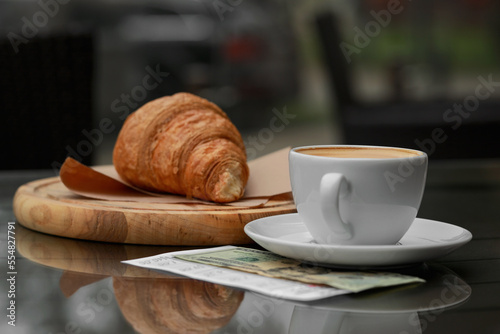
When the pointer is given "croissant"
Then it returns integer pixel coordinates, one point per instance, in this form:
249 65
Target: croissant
182 144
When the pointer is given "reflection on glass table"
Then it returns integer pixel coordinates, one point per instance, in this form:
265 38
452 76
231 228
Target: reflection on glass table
153 302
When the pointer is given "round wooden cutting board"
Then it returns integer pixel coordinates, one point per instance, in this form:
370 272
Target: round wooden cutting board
47 206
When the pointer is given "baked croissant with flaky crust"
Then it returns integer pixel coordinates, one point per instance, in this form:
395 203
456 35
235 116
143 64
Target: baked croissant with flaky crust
182 144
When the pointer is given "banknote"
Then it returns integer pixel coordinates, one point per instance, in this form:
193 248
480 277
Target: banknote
272 265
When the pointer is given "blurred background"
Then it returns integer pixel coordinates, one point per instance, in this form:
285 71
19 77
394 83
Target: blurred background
422 74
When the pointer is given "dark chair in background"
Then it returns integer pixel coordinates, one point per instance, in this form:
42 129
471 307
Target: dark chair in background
425 125
46 100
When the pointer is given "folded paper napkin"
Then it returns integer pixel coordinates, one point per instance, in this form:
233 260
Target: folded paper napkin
269 178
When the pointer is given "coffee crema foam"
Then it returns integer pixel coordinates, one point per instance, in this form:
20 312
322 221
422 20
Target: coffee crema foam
360 152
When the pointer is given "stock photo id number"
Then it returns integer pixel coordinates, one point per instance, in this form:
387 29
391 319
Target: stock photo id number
11 273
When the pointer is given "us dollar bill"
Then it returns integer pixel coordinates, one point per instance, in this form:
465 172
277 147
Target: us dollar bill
272 265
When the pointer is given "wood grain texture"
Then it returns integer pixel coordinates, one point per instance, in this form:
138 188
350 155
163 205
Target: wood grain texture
47 206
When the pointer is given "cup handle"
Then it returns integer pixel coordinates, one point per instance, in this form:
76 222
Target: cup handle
331 187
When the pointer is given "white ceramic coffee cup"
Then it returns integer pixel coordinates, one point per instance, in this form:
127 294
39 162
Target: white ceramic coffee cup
357 200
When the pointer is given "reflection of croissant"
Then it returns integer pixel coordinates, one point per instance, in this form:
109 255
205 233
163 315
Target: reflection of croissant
182 144
175 305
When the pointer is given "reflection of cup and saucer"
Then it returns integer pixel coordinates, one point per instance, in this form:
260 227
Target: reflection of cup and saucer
404 309
401 309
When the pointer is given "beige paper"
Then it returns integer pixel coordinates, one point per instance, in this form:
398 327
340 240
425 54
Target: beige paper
269 176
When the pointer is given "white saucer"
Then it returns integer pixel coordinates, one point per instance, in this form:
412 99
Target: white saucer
286 235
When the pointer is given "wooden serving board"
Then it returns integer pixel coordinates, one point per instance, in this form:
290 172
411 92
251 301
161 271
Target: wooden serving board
47 206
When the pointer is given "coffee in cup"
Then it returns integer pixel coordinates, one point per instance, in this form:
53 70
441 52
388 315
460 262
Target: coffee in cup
357 195
359 152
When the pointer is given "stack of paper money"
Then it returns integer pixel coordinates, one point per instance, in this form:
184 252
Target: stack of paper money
271 265
268 273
